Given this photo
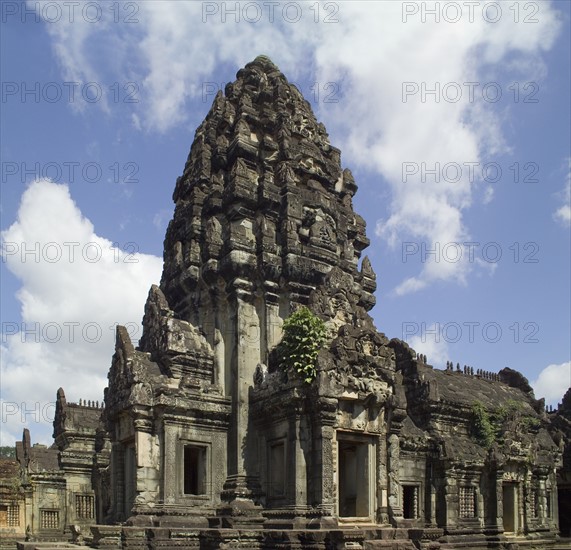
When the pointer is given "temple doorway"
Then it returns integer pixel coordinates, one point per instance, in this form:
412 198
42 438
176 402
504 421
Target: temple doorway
510 507
354 479
130 479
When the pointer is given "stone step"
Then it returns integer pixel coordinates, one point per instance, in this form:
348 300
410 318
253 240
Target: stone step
389 545
45 546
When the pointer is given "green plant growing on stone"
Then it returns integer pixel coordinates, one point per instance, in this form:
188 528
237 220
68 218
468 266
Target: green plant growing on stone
303 337
488 427
483 429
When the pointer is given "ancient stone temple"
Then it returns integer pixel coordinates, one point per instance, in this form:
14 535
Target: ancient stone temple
214 444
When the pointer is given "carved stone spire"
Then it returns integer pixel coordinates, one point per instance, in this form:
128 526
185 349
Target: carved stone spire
262 196
263 222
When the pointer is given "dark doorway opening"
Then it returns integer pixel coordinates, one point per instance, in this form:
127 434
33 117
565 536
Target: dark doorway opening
564 501
277 470
194 470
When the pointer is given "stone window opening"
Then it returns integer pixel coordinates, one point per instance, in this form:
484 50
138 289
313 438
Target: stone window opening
194 472
467 502
354 482
410 496
84 507
49 519
14 515
9 515
276 467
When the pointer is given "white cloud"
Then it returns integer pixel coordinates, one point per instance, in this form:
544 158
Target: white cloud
563 213
75 288
176 47
488 195
161 219
384 132
552 382
432 344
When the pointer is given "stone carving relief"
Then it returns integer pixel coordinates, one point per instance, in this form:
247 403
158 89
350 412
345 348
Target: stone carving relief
320 227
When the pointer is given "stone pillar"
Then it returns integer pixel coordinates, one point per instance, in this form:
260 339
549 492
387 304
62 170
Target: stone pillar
395 505
327 485
528 515
272 322
432 504
117 482
298 470
451 500
219 352
147 458
322 492
170 476
480 509
542 499
382 514
499 501
520 507
242 487
554 520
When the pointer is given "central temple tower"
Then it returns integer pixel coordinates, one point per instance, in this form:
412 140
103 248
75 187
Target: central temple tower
263 213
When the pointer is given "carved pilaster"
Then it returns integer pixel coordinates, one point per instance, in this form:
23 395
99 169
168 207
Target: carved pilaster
395 505
242 490
451 501
382 480
499 501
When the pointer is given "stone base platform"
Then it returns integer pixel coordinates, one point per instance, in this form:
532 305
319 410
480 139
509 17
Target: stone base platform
122 537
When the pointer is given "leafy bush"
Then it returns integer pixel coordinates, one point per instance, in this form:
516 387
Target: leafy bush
483 429
489 427
303 337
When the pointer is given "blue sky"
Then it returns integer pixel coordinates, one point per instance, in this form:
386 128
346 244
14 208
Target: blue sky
456 131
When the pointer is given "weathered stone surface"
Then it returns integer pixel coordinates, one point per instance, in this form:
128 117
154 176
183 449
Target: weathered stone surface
207 442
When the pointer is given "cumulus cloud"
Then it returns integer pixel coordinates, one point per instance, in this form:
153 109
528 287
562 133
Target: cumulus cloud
384 65
432 344
563 213
161 219
552 382
75 288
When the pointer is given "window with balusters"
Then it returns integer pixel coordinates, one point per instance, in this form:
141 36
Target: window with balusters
49 519
9 515
410 501
84 507
467 497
